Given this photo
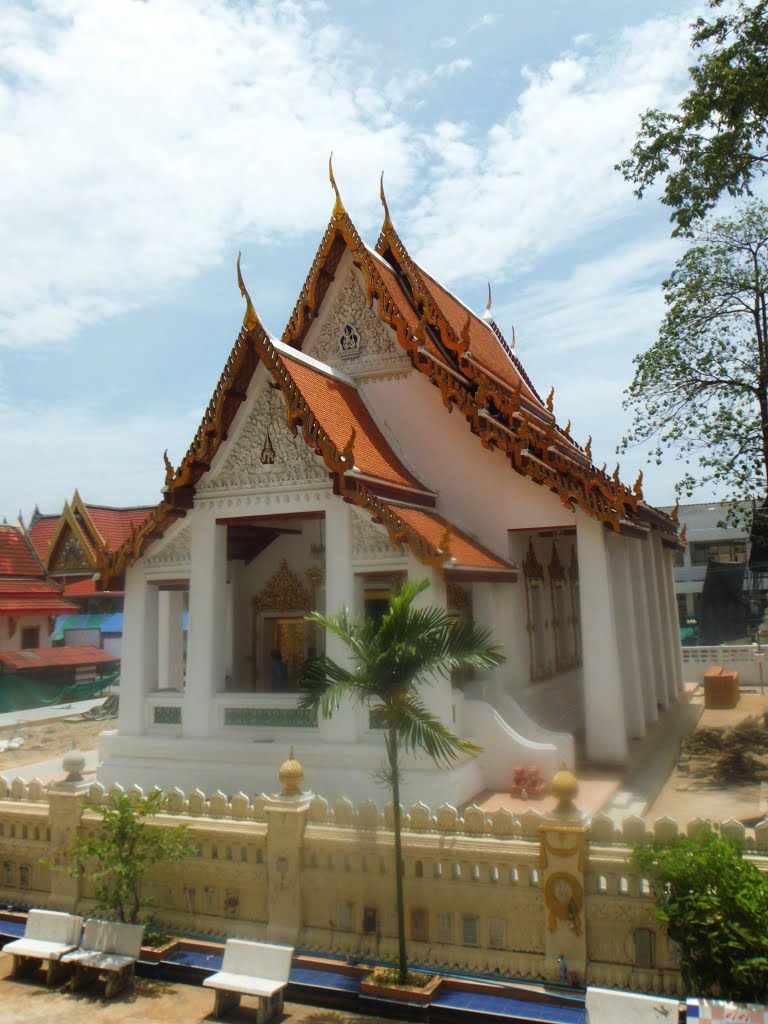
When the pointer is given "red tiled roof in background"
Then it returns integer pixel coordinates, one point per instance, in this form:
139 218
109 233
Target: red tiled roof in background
17 557
340 409
55 657
18 605
87 588
466 552
115 524
41 534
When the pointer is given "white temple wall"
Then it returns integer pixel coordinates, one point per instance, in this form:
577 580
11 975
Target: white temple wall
436 441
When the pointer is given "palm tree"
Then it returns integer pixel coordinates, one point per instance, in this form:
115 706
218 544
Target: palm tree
390 657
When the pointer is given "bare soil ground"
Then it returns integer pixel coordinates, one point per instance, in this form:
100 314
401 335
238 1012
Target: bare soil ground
687 795
51 738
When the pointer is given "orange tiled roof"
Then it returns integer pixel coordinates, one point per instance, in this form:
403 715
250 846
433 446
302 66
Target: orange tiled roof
86 588
17 556
340 410
463 551
114 524
41 533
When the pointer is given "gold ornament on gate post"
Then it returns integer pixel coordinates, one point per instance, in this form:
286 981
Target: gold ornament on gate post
291 775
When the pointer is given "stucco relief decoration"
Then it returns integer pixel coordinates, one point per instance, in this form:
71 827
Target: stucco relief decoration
174 551
283 592
368 539
266 453
353 338
71 555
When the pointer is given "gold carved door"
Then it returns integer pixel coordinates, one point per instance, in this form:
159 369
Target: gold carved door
287 636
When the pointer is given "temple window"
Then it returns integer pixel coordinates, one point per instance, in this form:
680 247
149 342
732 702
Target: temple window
419 925
30 637
344 915
469 930
497 933
645 948
443 926
370 920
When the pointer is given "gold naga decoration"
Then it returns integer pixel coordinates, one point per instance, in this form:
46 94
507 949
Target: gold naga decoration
465 331
338 207
638 488
674 515
444 544
683 533
387 225
348 453
488 304
603 468
551 399
169 470
567 430
250 320
588 447
512 342
616 474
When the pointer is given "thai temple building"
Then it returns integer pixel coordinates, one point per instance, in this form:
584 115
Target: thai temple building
389 433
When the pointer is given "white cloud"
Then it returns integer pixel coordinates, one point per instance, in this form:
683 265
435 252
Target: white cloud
455 67
446 42
138 138
118 456
484 22
543 176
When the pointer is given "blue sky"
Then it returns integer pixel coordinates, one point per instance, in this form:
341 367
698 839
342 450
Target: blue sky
145 143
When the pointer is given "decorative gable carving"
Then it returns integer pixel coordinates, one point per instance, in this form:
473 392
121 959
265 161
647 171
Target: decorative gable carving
266 454
369 540
283 592
175 551
70 555
353 339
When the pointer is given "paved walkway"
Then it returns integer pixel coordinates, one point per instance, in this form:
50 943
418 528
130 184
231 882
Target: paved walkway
148 1002
49 711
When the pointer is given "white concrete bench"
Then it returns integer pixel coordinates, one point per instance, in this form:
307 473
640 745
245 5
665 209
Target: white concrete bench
48 936
252 969
107 947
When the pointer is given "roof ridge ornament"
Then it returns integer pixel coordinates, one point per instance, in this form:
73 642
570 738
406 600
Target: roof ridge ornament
512 342
639 486
674 515
338 206
169 470
551 399
588 448
348 454
250 320
387 225
488 315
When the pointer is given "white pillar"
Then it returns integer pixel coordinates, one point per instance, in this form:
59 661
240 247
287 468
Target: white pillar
436 691
663 637
624 605
229 634
673 625
170 640
654 623
340 592
138 667
206 639
637 550
492 608
604 714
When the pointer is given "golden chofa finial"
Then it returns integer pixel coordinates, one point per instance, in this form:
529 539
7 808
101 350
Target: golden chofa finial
250 320
551 399
338 207
512 342
387 225
683 533
639 485
487 315
588 448
169 470
567 430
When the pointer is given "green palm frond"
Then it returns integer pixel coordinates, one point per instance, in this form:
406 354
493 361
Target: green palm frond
418 729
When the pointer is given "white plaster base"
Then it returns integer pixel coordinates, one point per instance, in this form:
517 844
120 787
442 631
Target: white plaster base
234 766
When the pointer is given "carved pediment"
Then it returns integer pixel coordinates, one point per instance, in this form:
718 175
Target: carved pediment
353 339
369 540
265 453
283 592
70 554
172 551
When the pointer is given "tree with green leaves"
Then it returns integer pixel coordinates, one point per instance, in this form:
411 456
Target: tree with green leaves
390 658
714 904
117 854
702 387
717 141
